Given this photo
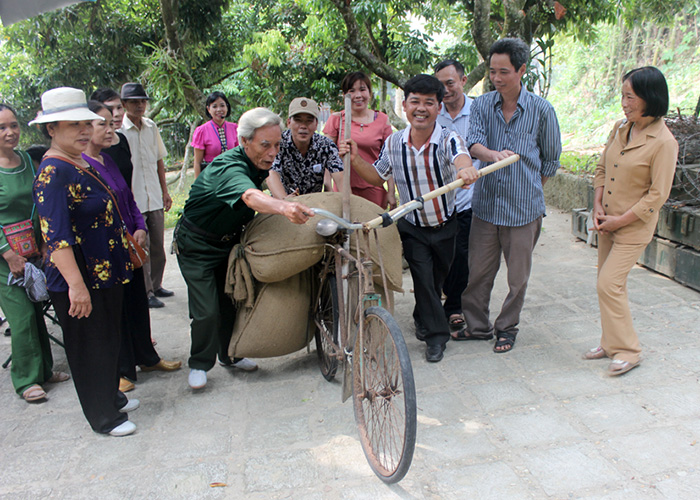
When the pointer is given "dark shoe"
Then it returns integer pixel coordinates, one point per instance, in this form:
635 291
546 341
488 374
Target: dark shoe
504 342
162 292
434 353
421 331
154 303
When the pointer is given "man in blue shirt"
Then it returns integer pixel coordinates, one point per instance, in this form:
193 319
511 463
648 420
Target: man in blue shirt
507 205
454 116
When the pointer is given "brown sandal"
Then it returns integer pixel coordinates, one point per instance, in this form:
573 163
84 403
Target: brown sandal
34 393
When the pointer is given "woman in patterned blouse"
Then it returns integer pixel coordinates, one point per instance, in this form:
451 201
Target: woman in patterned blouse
89 259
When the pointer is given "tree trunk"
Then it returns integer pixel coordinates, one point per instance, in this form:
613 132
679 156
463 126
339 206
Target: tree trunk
475 76
481 28
386 107
185 162
514 25
194 96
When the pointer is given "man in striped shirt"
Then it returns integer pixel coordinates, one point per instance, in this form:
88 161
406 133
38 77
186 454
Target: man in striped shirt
507 205
422 158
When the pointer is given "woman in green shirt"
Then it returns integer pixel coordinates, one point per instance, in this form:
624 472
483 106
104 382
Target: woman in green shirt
32 362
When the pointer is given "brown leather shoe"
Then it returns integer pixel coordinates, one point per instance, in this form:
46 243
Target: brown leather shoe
126 385
162 366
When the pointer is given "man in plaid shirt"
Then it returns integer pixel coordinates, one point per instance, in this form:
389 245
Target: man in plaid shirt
423 157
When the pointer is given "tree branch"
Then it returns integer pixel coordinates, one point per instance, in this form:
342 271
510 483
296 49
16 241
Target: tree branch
475 76
355 46
228 75
377 51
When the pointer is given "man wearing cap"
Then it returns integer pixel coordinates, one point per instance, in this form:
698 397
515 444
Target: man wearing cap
148 184
304 154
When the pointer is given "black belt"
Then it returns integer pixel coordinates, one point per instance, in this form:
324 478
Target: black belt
201 232
441 225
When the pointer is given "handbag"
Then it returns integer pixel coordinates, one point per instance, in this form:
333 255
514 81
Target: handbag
138 254
20 237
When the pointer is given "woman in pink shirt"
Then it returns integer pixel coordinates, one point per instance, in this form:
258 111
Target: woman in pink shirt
215 136
369 129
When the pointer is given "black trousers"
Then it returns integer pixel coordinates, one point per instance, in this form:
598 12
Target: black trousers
92 348
458 276
137 346
429 254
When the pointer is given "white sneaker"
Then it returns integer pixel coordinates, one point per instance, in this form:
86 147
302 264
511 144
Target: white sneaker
244 364
131 405
123 429
197 378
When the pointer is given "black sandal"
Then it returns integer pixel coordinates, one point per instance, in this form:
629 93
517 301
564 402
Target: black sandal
463 334
504 339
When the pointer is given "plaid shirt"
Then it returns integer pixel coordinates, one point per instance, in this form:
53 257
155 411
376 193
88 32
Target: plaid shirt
419 171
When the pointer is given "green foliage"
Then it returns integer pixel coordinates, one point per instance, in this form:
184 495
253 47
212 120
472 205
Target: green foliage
579 163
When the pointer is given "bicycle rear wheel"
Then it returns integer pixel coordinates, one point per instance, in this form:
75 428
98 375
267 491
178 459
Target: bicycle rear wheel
327 327
384 396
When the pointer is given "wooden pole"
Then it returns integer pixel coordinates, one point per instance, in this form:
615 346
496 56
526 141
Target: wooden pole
347 167
448 187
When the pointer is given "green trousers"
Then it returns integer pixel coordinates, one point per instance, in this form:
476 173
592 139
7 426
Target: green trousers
203 264
32 362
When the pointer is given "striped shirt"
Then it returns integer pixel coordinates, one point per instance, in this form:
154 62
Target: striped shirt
419 171
513 196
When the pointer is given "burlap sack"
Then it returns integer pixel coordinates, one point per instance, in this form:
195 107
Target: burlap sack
281 320
278 323
277 249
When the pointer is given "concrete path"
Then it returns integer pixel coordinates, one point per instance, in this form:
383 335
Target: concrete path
536 423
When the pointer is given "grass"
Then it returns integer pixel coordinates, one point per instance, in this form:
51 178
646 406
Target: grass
179 198
578 163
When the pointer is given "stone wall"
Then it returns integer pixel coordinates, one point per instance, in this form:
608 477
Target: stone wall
567 191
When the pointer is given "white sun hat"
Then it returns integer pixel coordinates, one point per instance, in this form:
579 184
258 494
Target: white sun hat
64 104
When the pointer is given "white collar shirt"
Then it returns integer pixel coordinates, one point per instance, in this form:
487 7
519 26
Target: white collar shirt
146 149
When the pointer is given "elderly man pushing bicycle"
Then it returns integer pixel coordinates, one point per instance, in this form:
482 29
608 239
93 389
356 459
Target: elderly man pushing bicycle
423 157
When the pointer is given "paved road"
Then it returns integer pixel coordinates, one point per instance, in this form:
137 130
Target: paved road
536 423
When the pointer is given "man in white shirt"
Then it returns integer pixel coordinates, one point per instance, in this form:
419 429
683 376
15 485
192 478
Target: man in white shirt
148 184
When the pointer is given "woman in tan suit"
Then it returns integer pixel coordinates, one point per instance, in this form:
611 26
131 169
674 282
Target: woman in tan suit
632 181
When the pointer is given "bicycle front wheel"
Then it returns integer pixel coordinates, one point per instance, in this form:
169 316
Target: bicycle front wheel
384 396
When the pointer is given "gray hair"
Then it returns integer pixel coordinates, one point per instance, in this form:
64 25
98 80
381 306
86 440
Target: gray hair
253 119
515 48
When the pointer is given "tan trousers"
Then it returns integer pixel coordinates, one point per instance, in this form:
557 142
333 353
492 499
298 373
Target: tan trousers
615 260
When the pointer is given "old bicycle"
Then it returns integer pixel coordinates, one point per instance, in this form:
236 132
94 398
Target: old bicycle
355 329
